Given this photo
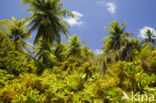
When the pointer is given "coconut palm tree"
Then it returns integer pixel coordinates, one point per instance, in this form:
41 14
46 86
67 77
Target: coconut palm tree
44 55
74 47
150 37
47 19
60 51
116 37
131 50
17 32
86 53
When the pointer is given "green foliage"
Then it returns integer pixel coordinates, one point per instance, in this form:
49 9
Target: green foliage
44 54
15 63
17 33
116 37
150 37
47 19
31 97
60 51
70 72
5 78
74 47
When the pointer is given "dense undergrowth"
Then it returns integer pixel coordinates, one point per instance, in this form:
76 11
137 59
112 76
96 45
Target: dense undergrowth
76 82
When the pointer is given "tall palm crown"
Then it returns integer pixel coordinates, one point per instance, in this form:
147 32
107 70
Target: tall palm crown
116 36
17 33
60 51
150 37
47 19
74 46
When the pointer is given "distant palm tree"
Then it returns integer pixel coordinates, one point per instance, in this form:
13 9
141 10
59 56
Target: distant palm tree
17 33
116 37
150 37
60 51
74 47
47 19
86 53
43 53
131 50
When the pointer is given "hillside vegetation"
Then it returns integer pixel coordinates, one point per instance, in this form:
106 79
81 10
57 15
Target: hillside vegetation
50 71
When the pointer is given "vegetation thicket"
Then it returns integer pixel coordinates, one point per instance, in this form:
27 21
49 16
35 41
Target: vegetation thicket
54 72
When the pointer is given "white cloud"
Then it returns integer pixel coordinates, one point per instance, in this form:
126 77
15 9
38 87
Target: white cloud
110 5
143 31
76 21
98 52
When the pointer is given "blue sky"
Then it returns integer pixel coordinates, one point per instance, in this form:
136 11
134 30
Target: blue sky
93 15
